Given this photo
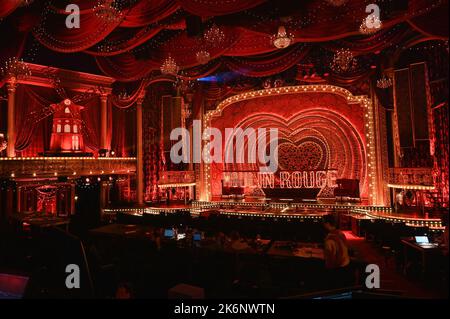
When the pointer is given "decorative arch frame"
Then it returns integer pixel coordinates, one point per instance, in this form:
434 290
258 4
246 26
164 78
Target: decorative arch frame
369 129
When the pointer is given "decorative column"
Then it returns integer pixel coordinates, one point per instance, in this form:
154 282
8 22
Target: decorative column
104 121
139 152
10 149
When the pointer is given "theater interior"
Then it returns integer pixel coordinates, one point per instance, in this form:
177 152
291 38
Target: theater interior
136 139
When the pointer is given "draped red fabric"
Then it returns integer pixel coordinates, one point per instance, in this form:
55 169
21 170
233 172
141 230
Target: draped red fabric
148 12
262 65
33 133
206 8
54 34
91 125
268 64
8 6
126 67
131 100
123 135
134 40
377 42
434 23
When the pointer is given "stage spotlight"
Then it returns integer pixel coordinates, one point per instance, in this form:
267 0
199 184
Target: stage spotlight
112 153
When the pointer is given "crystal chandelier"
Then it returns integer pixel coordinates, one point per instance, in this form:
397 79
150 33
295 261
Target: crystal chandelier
282 40
203 57
343 61
187 112
109 10
370 25
123 95
384 83
169 66
15 69
214 35
336 3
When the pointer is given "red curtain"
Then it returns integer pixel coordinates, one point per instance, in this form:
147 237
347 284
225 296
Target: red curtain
54 34
148 12
8 6
32 126
207 8
91 124
123 135
268 64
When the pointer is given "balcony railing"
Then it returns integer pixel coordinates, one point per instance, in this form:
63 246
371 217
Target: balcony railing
175 178
43 167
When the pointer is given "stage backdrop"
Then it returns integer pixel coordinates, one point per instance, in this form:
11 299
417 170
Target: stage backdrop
320 128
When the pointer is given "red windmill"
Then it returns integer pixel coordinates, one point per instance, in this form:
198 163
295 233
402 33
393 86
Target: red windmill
67 126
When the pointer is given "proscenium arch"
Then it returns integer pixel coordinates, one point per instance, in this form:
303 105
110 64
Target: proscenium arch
367 147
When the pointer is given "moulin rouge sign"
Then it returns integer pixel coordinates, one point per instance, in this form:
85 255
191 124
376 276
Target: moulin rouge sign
285 179
298 179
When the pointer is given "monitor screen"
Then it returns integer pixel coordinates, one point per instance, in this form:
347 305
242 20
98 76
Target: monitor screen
197 237
169 233
12 286
422 239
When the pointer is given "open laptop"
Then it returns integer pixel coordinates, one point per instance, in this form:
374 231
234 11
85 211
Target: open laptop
424 242
12 286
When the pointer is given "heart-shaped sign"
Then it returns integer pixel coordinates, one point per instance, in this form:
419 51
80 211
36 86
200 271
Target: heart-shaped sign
306 156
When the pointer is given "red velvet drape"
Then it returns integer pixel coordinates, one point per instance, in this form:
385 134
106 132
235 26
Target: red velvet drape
123 131
91 127
33 131
8 6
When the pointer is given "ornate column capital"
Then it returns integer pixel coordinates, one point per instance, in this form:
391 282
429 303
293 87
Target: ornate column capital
11 85
104 97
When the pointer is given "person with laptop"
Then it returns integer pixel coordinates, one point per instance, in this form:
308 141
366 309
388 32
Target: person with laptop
336 255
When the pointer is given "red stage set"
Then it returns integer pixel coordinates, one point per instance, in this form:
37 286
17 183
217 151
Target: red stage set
359 102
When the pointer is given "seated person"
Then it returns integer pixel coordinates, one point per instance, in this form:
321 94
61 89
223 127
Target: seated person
336 255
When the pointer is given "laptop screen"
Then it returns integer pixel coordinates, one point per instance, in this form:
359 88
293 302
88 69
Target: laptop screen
422 239
197 237
12 286
169 233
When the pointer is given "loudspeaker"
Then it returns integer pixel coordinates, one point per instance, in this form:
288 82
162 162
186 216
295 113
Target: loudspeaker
194 26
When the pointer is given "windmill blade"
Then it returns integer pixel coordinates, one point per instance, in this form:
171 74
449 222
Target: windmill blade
89 94
56 83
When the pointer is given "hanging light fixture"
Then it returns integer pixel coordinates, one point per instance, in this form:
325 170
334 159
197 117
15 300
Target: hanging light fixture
343 61
370 25
282 40
108 10
123 95
214 35
15 69
384 83
169 66
203 57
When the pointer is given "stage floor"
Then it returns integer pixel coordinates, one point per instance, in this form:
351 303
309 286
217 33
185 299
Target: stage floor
286 209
